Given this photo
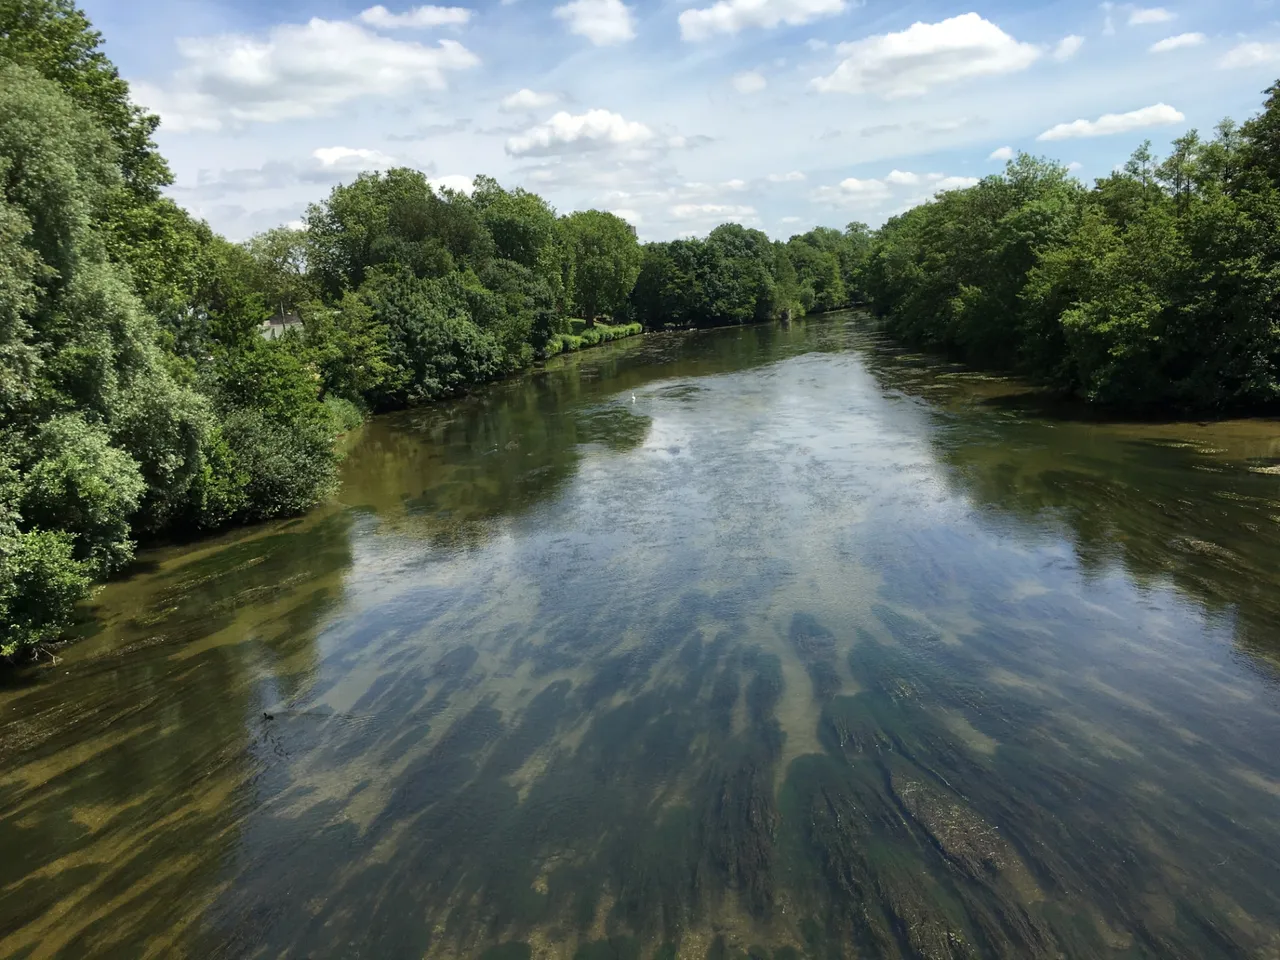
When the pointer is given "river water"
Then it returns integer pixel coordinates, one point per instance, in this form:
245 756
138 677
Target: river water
760 642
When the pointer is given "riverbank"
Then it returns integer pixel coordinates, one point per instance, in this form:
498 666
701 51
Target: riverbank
581 336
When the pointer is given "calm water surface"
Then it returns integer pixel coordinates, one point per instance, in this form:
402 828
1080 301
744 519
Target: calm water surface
754 643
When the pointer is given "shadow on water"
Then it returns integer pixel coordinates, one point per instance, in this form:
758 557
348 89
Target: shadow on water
807 651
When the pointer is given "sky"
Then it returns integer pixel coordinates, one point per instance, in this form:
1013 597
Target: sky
677 115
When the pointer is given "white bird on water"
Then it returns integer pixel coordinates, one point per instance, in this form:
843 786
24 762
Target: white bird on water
633 398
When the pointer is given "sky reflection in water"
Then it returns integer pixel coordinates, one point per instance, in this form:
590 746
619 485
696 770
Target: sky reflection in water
815 649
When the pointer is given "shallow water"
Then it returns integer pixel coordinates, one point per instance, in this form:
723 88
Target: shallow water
814 648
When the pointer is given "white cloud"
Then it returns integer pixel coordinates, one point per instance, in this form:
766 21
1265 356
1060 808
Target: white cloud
926 55
603 22
854 193
1067 48
795 176
569 133
1075 166
874 193
454 181
1003 153
703 211
631 216
295 71
1139 16
1155 116
1178 42
417 18
734 185
525 100
791 219
347 158
955 183
732 16
1251 55
749 82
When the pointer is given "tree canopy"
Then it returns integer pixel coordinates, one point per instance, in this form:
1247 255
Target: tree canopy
1156 288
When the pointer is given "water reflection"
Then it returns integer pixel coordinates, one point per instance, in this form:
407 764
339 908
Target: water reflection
1195 504
813 649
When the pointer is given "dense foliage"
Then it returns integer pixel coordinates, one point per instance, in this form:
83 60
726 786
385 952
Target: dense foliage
1157 288
140 398
738 275
138 394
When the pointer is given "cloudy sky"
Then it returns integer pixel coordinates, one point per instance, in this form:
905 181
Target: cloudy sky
676 114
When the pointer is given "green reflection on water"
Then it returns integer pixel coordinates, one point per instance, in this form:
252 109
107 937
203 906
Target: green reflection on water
751 643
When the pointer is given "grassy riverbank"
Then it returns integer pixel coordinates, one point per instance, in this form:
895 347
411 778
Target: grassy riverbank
581 336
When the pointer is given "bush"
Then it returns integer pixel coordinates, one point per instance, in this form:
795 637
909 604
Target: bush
82 485
40 584
40 579
344 415
287 468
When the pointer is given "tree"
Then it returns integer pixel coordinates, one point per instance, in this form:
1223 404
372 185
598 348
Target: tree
603 255
280 261
55 39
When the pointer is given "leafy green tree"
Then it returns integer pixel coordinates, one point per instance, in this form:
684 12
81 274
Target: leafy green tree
347 346
40 579
435 349
395 219
604 261
280 260
55 39
77 482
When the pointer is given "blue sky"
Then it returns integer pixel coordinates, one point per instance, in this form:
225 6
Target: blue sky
781 114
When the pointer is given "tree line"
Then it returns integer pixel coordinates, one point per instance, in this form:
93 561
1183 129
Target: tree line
1157 289
138 397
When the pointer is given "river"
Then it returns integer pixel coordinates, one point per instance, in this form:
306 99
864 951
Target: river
761 642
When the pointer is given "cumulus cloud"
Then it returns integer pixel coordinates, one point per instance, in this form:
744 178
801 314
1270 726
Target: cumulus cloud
525 100
749 82
1067 48
631 216
348 158
854 192
1251 55
795 176
1142 16
732 16
943 184
927 55
1178 42
603 22
295 71
418 18
1002 153
1159 115
570 133
454 181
